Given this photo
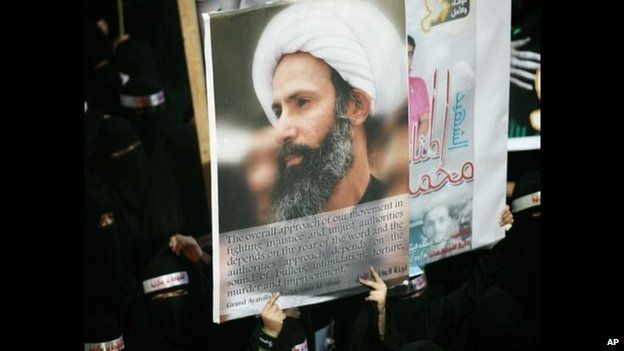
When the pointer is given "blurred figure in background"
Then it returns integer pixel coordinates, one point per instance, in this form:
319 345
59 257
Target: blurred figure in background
261 172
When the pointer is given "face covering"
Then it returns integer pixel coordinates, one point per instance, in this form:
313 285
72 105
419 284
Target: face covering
171 316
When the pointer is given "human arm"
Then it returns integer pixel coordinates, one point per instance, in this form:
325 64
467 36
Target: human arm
377 295
272 322
188 246
272 316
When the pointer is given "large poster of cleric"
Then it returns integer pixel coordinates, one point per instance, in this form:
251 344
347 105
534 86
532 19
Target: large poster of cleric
303 97
458 86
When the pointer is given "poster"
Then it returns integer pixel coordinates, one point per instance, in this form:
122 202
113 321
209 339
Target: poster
302 97
459 86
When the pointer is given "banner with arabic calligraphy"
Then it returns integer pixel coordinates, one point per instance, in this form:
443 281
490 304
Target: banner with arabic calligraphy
459 86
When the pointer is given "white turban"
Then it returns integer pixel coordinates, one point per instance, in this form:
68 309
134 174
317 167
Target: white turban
351 36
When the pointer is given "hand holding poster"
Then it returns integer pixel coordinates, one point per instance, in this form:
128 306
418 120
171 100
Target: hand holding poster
524 91
298 94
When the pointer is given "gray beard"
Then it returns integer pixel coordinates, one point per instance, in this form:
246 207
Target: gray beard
304 189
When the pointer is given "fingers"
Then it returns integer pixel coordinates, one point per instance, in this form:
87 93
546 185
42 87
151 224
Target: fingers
522 74
174 244
378 296
375 275
272 300
509 218
524 64
528 55
272 308
377 284
520 42
504 221
369 283
508 214
179 243
506 217
521 84
272 316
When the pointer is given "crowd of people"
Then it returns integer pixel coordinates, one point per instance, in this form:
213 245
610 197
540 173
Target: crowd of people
148 280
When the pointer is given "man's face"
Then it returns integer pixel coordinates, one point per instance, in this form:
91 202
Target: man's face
410 56
303 101
316 149
437 224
